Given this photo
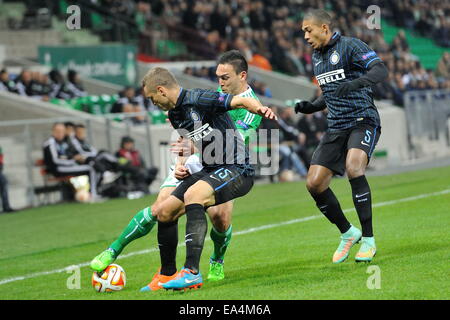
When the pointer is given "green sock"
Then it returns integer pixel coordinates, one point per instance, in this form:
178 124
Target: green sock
139 226
221 241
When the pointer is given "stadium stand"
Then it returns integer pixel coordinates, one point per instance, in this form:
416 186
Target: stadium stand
25 125
428 18
266 31
68 92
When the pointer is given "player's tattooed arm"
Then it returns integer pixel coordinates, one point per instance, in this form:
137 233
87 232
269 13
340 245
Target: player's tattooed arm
252 105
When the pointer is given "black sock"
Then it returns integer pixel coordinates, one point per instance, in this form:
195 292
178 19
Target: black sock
168 242
196 227
362 200
330 207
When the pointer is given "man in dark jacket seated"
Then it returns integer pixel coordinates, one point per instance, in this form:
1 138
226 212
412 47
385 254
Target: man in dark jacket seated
133 163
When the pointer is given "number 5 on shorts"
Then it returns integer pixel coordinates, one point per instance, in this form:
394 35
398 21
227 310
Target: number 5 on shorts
368 136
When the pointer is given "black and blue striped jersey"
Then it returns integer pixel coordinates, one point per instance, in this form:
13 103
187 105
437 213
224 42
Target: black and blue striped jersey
201 115
345 59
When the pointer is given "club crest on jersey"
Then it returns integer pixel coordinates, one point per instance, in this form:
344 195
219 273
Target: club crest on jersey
331 76
195 116
334 58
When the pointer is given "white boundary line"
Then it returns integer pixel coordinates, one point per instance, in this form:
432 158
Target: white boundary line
251 230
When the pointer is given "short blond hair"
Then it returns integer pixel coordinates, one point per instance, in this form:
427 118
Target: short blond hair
158 76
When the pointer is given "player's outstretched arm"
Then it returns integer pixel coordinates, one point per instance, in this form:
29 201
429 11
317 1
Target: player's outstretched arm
377 72
252 105
310 107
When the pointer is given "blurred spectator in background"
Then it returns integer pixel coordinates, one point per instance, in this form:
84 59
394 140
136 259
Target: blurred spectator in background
4 187
189 71
260 62
69 127
291 142
143 102
59 86
128 103
313 126
205 73
74 84
120 7
44 88
271 127
59 161
102 161
261 88
133 164
78 142
37 88
6 84
23 83
443 67
144 14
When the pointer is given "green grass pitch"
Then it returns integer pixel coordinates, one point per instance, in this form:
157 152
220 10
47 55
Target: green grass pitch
281 248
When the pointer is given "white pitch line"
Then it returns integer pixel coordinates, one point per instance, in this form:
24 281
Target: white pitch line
251 230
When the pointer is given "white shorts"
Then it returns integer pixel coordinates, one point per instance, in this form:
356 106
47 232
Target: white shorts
193 164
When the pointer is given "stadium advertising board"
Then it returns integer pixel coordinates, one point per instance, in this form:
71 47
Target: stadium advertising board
112 63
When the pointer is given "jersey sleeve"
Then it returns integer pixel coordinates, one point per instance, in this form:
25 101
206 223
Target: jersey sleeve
213 101
244 119
246 122
362 55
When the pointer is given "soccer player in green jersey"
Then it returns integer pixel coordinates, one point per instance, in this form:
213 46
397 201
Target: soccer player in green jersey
232 73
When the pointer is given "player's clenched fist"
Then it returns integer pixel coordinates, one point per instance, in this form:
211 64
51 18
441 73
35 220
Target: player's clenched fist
181 172
303 107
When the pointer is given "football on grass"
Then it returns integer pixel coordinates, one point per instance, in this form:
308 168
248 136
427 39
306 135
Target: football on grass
111 279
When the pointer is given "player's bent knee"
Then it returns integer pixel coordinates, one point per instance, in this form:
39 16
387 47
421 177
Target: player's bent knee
220 222
212 212
155 209
221 226
165 216
355 169
356 163
161 212
314 185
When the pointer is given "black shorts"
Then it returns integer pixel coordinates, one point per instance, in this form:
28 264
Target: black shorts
228 182
332 149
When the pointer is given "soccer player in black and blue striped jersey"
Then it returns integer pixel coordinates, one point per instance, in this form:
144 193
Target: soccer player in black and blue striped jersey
201 116
345 69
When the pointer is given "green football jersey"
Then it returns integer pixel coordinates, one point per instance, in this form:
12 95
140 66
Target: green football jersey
245 121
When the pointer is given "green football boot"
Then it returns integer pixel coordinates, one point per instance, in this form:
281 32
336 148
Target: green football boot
216 272
104 259
367 250
348 240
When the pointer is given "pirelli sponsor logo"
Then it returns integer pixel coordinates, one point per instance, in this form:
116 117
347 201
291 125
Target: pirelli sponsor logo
200 133
331 76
